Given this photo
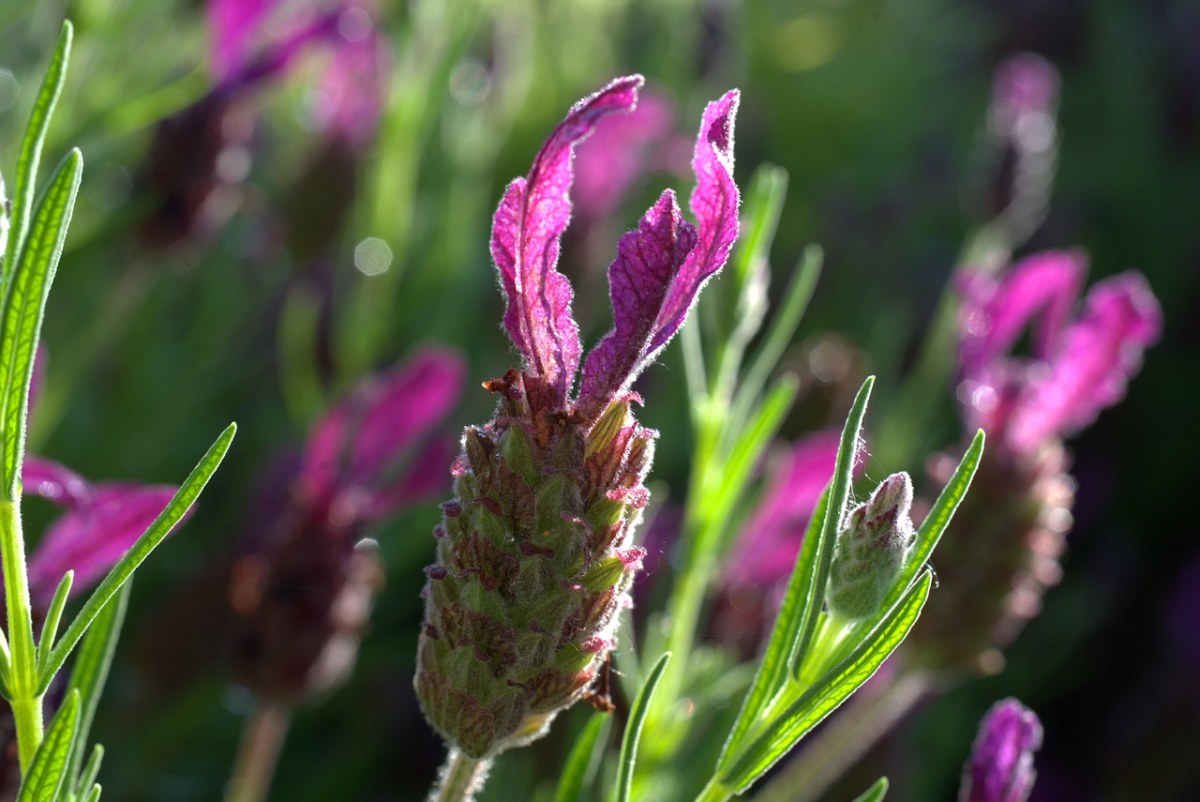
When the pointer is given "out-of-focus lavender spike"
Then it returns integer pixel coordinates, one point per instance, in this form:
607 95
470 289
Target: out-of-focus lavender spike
1001 765
233 28
364 435
526 233
1024 97
91 537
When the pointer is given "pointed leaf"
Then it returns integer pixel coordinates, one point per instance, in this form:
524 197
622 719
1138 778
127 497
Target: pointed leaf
47 772
839 495
633 729
31 153
583 759
91 770
53 616
90 672
876 792
179 506
25 304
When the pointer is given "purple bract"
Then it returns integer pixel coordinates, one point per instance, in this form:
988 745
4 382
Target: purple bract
1001 764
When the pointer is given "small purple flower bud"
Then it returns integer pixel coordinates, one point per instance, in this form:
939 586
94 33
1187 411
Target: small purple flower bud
537 545
1001 764
871 550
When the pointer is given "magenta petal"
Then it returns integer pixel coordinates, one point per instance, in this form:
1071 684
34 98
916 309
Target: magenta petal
526 233
661 267
426 477
1001 764
1094 362
994 314
766 550
714 203
349 98
91 538
647 266
618 152
365 434
54 482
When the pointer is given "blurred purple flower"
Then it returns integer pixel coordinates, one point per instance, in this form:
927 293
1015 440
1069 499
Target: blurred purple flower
101 522
254 40
1001 764
302 593
620 152
372 453
1076 368
766 549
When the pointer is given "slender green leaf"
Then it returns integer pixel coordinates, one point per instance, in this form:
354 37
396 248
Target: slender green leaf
31 151
760 216
90 671
53 616
25 304
939 516
581 763
94 796
180 503
839 495
787 319
91 770
49 767
876 792
633 730
775 738
773 668
737 470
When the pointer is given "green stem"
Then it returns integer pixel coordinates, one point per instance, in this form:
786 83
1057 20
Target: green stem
261 742
26 703
460 778
714 792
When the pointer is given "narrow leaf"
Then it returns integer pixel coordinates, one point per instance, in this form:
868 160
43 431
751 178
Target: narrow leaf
31 151
94 796
91 770
583 758
49 767
24 306
839 494
939 516
780 332
53 616
90 672
180 503
876 792
775 738
773 668
633 729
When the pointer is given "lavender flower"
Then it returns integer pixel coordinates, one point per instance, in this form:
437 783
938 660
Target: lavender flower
101 523
1001 764
535 552
1016 519
302 597
1076 368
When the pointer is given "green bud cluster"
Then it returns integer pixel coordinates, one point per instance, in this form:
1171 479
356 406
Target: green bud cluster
871 550
534 561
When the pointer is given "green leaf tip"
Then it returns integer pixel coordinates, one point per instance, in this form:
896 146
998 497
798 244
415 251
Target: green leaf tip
633 729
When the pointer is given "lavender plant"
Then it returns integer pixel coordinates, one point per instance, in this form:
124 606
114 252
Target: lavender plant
97 529
536 552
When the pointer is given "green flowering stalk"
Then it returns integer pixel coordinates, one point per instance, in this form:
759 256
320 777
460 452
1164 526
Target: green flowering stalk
535 554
